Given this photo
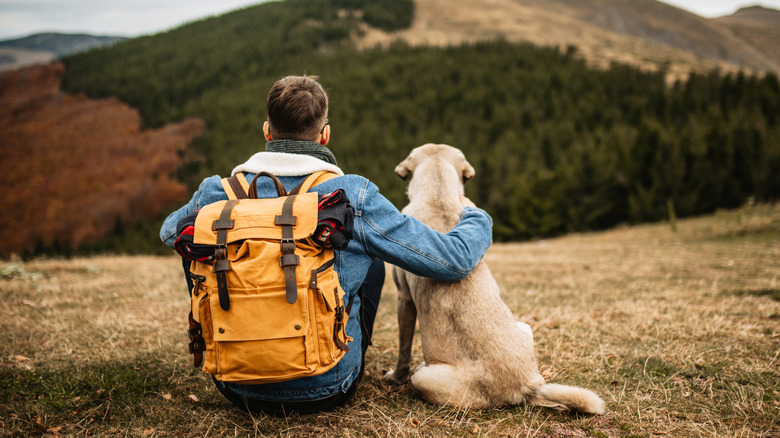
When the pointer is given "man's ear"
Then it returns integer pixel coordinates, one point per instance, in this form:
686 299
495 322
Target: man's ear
404 169
267 131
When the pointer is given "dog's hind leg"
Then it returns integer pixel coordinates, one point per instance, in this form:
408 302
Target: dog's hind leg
445 384
407 318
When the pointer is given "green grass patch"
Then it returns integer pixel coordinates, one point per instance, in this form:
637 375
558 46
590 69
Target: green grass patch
112 396
772 293
70 387
649 366
757 233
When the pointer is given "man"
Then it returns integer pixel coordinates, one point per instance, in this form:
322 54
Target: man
297 132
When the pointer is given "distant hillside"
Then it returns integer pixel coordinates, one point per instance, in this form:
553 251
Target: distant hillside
16 58
557 145
758 26
44 47
754 15
645 33
61 44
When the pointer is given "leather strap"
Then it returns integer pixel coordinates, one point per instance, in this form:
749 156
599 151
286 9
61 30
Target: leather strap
288 261
235 184
312 180
197 343
221 263
339 325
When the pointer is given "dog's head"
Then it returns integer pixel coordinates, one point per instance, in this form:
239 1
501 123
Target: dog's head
435 151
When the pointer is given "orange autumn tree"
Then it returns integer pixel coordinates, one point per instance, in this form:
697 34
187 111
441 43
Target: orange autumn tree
72 167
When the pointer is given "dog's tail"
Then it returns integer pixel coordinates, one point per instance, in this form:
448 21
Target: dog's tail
565 397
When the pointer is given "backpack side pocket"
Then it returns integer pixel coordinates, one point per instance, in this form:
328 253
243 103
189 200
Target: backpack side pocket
331 316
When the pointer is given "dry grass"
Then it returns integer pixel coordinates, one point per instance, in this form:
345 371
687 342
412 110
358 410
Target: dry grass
679 332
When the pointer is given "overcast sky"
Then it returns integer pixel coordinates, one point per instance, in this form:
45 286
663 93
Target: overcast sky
139 17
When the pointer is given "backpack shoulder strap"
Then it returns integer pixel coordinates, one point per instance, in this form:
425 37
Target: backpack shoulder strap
236 186
313 180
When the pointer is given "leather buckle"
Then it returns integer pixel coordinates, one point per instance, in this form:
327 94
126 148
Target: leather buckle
288 246
197 345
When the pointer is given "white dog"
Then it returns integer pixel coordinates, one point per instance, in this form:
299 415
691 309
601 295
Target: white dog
476 355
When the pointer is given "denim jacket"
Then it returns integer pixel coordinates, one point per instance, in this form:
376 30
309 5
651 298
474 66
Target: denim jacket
380 230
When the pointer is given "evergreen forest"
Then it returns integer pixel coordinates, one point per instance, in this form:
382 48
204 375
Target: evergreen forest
557 146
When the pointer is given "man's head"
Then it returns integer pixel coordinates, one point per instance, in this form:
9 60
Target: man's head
297 108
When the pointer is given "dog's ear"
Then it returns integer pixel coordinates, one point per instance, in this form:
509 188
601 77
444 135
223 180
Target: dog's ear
468 171
404 169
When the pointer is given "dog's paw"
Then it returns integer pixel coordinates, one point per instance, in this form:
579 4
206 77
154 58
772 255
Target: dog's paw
395 377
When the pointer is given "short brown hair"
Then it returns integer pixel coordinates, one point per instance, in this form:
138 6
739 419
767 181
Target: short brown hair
297 108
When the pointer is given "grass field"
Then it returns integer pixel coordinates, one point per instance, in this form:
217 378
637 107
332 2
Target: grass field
678 331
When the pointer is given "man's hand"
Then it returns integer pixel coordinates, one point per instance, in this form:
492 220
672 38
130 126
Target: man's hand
466 202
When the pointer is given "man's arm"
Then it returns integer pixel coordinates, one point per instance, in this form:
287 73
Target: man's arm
210 190
408 243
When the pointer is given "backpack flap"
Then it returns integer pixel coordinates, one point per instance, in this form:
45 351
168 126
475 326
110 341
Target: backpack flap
284 220
255 219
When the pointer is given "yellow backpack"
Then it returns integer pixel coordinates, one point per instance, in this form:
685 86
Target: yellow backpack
269 306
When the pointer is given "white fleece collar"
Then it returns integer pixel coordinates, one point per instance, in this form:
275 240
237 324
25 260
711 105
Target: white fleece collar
282 164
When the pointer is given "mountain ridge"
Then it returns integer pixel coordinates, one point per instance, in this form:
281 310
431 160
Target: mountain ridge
44 47
758 26
648 34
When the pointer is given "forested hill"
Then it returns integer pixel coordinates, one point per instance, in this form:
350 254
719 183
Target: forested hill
557 146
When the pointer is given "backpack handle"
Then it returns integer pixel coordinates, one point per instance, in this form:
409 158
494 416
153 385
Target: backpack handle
312 180
279 187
